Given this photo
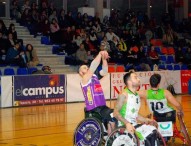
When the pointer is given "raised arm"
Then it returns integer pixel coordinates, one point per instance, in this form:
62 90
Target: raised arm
94 64
104 70
120 102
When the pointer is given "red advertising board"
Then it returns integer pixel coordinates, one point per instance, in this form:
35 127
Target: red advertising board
185 77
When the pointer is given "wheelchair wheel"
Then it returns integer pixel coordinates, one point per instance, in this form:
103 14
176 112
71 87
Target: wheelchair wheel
88 133
184 130
120 137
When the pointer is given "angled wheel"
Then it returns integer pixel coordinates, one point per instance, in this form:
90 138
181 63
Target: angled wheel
120 137
184 130
88 133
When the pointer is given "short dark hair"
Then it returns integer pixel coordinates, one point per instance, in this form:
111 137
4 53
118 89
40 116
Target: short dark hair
127 76
155 80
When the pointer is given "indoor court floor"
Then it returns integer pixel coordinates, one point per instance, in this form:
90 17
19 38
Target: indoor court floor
54 125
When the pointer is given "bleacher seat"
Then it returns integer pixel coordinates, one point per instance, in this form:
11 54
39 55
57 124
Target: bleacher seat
22 71
145 49
158 50
45 40
0 73
169 67
176 67
120 68
111 69
184 67
163 58
161 66
170 59
9 71
31 70
184 49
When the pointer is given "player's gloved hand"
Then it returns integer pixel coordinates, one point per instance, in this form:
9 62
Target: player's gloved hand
130 128
151 122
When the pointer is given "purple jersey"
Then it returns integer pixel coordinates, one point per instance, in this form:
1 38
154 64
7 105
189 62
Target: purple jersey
93 93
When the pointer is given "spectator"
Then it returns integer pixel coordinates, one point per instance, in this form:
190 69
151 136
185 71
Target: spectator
179 56
89 46
26 6
53 16
78 20
81 55
14 10
123 46
61 19
78 40
45 28
13 31
69 19
15 56
96 27
110 34
51 8
26 18
168 38
10 41
32 58
55 32
93 38
106 43
153 56
34 6
43 16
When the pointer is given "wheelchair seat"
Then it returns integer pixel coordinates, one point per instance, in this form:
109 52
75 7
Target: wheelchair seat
165 117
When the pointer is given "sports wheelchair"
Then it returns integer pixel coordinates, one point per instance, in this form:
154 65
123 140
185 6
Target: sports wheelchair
171 117
91 131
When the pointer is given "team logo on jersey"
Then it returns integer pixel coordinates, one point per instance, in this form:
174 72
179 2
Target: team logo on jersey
97 88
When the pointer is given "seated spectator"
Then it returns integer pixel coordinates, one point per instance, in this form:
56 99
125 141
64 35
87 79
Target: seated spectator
89 46
110 34
123 46
96 27
68 35
43 16
61 19
15 56
26 6
93 38
32 58
53 16
78 20
26 18
13 31
55 32
10 41
179 56
81 55
153 56
78 40
107 45
14 10
131 57
83 34
149 36
168 38
69 19
45 28
113 44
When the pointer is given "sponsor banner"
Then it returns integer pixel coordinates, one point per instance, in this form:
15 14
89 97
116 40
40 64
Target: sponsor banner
74 91
168 77
185 77
165 128
41 89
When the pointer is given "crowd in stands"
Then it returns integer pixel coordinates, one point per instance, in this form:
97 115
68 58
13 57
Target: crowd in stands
124 36
12 50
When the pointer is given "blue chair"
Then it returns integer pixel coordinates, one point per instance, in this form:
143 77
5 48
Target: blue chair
158 50
31 70
145 49
169 67
9 71
184 67
45 40
163 58
184 49
161 66
170 59
22 71
176 67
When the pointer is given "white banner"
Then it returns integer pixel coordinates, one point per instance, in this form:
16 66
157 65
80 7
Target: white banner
6 91
168 77
74 91
165 128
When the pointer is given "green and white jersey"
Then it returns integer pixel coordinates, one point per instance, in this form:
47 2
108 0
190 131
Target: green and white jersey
130 109
157 101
